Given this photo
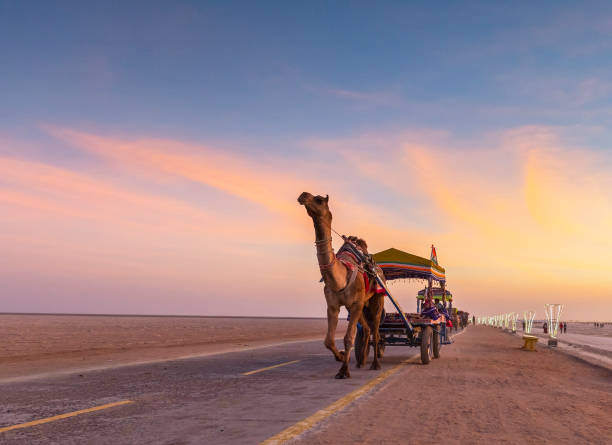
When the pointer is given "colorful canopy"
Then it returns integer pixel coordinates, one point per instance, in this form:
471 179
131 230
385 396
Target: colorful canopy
397 264
437 294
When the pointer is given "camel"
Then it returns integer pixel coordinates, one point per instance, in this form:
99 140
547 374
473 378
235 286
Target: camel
343 287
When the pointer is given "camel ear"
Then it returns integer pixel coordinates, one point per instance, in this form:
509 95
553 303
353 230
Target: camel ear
326 198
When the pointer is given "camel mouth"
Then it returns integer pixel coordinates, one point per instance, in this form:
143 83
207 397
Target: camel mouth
303 198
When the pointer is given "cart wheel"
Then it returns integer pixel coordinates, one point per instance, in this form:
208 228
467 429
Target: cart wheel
426 345
359 345
436 343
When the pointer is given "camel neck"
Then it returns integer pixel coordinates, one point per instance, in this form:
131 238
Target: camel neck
323 241
322 230
333 272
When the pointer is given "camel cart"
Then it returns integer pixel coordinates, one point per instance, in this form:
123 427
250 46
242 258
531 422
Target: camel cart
424 329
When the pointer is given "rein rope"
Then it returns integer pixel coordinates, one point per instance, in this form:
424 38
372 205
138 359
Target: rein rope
333 261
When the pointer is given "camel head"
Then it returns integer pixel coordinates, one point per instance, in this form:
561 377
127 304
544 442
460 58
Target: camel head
316 207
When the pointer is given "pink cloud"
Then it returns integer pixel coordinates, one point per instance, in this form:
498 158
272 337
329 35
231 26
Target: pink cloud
522 213
260 182
513 217
272 183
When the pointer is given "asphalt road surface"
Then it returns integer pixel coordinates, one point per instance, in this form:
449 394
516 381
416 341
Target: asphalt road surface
212 399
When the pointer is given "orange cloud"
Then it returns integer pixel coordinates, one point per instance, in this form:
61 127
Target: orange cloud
51 191
516 222
263 183
271 183
569 192
524 219
55 184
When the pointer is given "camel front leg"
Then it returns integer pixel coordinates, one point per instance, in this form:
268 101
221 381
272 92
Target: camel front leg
355 312
330 338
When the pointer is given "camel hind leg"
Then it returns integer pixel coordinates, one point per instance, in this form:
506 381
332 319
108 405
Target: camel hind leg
361 356
376 307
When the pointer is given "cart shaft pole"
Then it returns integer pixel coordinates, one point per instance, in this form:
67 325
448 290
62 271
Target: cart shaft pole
395 303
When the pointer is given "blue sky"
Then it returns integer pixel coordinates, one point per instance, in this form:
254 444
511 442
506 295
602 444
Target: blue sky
279 71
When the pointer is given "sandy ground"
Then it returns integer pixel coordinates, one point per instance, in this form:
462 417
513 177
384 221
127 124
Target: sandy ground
604 343
40 344
580 328
484 389
593 344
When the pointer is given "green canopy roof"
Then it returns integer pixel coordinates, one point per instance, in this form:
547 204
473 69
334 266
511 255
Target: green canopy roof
437 294
398 264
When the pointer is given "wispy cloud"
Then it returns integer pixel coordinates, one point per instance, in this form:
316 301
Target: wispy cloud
360 98
258 182
272 183
376 98
513 217
581 93
522 213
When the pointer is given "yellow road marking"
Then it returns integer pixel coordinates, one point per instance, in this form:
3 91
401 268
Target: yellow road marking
309 422
270 367
64 416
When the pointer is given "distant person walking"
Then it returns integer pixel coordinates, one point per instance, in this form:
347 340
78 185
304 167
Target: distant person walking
560 327
565 327
545 327
523 325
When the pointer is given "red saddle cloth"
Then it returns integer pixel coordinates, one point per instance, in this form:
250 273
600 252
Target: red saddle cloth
350 262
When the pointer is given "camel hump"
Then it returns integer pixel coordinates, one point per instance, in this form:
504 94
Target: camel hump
359 242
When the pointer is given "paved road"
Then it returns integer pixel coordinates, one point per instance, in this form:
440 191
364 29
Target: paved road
196 400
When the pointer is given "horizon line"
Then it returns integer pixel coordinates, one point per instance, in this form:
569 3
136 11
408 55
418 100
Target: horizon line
73 314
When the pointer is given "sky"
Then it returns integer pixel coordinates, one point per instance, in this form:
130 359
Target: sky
151 153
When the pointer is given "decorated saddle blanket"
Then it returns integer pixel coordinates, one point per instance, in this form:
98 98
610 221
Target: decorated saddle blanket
353 259
434 313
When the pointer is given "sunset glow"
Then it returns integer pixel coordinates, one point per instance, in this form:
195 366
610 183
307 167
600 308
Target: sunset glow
112 204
